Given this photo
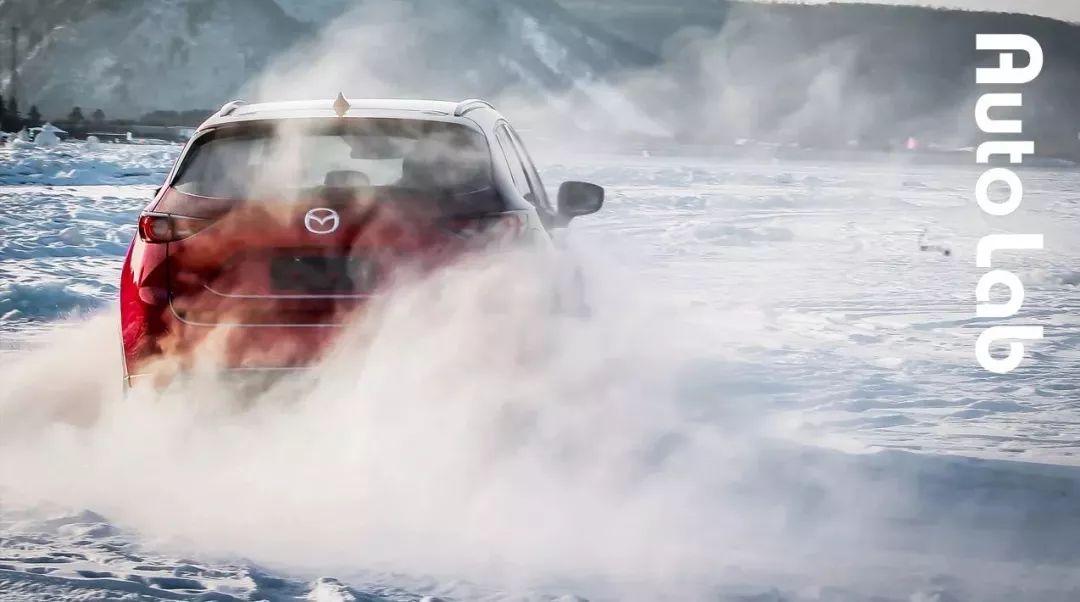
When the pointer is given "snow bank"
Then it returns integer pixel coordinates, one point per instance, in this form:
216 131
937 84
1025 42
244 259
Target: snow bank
48 137
49 301
81 164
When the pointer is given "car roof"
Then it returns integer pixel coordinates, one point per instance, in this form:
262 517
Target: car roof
239 111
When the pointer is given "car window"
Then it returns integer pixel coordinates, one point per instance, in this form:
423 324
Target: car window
265 160
535 183
513 161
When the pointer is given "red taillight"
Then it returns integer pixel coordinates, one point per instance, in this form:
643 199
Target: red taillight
161 228
496 227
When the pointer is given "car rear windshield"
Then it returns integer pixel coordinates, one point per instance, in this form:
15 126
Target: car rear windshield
288 159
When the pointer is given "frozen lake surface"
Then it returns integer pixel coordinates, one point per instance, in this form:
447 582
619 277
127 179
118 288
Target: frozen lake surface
776 399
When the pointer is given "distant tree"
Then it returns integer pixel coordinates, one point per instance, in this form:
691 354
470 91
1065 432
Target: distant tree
194 117
160 118
98 116
33 118
76 115
11 121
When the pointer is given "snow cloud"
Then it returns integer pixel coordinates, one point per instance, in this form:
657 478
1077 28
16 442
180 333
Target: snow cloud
477 437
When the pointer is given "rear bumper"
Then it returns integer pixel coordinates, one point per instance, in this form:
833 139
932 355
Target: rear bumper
231 350
235 380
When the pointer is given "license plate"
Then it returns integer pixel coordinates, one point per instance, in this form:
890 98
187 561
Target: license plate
320 274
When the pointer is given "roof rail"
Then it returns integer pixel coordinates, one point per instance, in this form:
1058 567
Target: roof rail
467 105
230 107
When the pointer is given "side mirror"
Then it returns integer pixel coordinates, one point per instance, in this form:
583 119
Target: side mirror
579 198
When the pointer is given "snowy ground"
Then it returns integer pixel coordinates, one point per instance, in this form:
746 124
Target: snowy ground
736 423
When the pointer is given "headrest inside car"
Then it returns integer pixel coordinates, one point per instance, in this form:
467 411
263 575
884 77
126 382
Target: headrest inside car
347 179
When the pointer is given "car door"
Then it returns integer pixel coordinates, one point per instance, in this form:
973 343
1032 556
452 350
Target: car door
524 174
536 185
570 296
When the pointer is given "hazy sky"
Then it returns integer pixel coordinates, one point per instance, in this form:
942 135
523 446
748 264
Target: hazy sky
1061 9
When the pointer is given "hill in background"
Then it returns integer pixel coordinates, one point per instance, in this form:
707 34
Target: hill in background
705 70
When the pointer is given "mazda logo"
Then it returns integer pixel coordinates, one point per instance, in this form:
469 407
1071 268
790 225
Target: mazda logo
321 221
